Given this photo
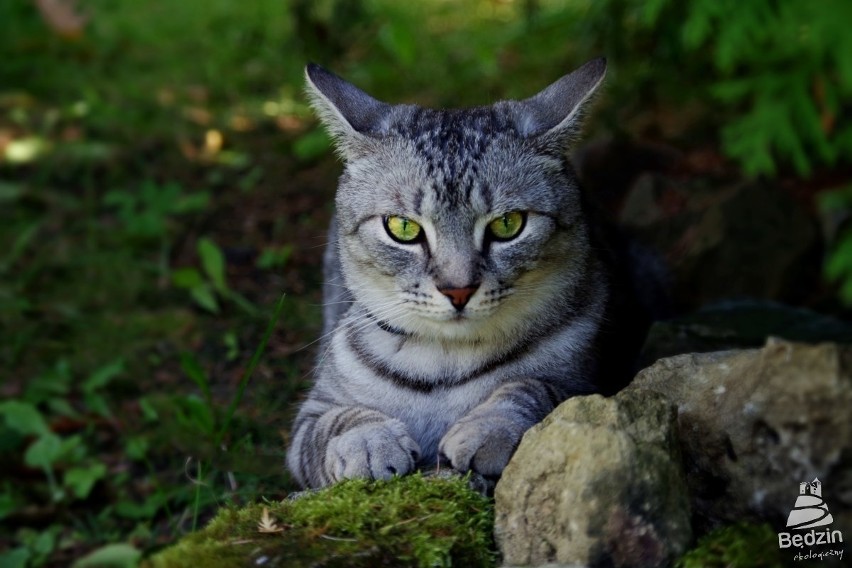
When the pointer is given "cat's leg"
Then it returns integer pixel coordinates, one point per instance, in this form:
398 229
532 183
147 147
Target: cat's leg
332 443
485 438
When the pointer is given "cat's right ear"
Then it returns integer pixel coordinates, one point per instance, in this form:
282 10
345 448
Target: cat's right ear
555 114
350 115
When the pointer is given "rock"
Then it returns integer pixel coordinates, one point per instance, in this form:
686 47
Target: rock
726 240
756 423
598 482
731 324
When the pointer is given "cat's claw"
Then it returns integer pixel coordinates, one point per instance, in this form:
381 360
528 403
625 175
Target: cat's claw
375 451
483 445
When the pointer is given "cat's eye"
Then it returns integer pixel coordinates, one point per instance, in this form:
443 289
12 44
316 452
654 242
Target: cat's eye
507 226
403 229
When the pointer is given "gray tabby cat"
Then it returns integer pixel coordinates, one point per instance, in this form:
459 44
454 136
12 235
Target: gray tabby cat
467 291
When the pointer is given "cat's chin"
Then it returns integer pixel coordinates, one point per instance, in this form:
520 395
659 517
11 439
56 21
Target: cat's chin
460 328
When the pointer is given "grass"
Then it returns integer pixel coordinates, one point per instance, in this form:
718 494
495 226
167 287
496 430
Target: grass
132 314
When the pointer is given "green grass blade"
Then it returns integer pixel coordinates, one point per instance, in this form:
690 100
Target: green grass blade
255 359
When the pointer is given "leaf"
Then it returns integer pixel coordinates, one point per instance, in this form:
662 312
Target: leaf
51 384
195 413
274 257
204 297
267 524
110 556
193 369
148 411
145 510
44 451
187 278
98 404
104 375
8 504
81 479
136 448
213 263
191 202
24 418
15 558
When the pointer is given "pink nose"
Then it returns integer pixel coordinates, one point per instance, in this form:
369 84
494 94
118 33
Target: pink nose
458 296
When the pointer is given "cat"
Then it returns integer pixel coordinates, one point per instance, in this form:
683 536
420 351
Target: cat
468 289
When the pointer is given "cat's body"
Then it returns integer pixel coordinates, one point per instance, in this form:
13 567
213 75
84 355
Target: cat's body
467 293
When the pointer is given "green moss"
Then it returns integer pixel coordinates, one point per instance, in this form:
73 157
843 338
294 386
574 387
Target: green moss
735 546
407 521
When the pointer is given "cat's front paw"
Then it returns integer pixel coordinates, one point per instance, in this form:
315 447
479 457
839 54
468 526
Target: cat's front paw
375 451
483 444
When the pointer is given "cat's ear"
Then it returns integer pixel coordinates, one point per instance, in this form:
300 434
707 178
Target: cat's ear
556 113
349 114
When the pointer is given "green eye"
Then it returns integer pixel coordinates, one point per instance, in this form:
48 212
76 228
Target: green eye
507 226
402 229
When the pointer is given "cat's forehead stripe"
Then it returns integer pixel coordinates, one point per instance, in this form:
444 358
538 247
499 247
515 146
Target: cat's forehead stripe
451 144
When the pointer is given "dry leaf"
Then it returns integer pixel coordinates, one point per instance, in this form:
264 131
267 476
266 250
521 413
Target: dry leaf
267 524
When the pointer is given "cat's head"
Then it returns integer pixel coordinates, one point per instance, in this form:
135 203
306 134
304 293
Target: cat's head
459 224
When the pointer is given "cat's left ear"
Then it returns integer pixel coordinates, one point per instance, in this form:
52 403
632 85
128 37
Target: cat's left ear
556 113
350 115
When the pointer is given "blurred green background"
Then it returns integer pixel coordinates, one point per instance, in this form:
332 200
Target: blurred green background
163 183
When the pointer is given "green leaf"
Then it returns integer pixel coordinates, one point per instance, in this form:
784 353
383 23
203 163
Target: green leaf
145 510
23 417
51 384
213 263
274 257
188 203
44 543
104 375
44 451
194 412
232 345
15 558
204 297
110 556
136 448
97 403
8 504
148 411
193 369
839 262
81 480
187 278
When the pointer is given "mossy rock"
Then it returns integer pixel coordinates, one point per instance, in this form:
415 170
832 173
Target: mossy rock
408 521
735 546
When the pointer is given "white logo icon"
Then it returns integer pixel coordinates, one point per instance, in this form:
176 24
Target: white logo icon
810 510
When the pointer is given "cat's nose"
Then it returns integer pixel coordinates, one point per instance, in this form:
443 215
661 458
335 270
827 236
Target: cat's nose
459 296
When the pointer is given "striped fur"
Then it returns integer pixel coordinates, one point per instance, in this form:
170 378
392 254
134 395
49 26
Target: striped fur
404 378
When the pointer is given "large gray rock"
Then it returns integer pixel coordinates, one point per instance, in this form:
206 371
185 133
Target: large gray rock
598 482
756 423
